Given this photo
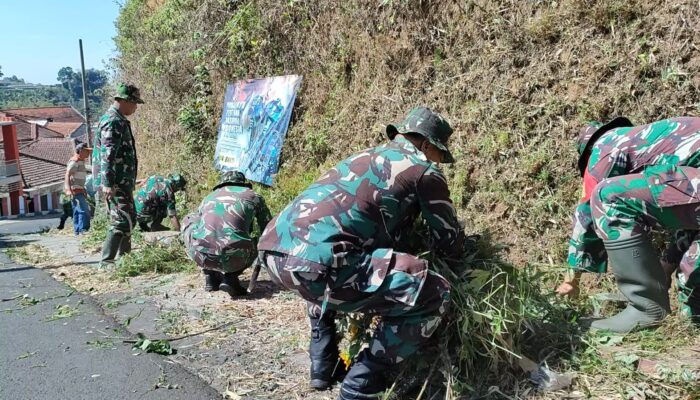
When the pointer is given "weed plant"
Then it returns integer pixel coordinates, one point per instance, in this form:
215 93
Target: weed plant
154 258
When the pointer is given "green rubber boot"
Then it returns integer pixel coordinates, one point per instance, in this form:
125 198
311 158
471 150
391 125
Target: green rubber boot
111 247
641 280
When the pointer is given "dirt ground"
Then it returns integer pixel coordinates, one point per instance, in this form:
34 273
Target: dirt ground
254 347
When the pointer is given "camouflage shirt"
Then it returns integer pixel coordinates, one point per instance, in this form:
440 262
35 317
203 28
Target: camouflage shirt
364 204
224 220
118 162
156 193
623 151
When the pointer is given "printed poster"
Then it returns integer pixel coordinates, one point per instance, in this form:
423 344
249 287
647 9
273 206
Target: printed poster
254 124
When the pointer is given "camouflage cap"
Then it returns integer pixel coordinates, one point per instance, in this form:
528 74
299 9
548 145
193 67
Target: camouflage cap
129 93
591 133
427 123
232 178
178 181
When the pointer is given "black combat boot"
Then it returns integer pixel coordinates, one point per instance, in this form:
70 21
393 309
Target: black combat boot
62 222
365 380
326 365
231 285
144 227
125 245
212 280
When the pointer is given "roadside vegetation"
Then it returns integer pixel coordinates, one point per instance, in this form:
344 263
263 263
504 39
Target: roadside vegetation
516 79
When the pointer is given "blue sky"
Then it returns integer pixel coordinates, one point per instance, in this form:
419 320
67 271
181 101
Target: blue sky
39 37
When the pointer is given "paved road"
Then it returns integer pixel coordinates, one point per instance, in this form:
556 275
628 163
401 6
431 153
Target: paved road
29 225
43 356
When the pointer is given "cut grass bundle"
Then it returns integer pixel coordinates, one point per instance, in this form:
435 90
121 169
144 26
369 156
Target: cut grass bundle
154 258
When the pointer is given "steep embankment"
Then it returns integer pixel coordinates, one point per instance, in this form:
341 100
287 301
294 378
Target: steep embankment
515 78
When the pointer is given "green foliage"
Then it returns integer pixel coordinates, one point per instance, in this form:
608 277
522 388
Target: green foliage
62 311
244 32
196 114
154 258
161 346
98 230
14 93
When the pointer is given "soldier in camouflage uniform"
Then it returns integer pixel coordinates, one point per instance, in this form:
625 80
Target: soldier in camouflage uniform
117 173
218 235
337 245
156 199
635 179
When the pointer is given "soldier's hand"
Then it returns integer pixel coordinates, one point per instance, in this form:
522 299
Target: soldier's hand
568 289
107 193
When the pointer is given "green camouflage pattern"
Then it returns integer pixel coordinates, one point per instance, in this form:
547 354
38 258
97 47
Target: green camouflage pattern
117 150
343 234
122 214
155 199
407 321
218 236
629 150
129 93
665 197
427 123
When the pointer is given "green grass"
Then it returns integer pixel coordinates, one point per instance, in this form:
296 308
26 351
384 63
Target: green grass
154 258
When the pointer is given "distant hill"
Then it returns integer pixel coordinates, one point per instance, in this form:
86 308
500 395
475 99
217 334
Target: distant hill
15 92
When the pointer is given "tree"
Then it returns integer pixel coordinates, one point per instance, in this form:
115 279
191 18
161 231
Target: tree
72 81
0 71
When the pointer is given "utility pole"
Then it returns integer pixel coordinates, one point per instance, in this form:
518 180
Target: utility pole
85 101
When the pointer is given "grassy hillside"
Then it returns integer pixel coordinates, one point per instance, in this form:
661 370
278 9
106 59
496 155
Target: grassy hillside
516 79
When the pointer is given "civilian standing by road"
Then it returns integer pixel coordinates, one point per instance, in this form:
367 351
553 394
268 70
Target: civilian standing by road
76 173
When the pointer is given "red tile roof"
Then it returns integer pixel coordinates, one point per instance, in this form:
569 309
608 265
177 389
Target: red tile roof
24 132
65 128
44 161
56 114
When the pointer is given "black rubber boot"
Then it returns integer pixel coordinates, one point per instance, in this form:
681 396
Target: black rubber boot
326 365
111 247
62 223
231 285
212 280
144 227
366 379
125 245
641 280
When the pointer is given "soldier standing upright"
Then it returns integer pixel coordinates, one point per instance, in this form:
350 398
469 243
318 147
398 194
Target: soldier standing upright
336 245
634 179
218 235
118 166
156 199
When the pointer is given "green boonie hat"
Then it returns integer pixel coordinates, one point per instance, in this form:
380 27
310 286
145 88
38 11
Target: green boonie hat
178 181
427 123
591 133
232 178
129 93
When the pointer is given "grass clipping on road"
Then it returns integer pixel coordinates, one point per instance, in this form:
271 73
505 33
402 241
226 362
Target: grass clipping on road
154 258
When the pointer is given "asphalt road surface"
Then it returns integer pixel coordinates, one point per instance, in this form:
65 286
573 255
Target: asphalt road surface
57 344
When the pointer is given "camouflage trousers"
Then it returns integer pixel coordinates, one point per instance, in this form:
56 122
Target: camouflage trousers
121 211
404 324
146 214
665 197
235 260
